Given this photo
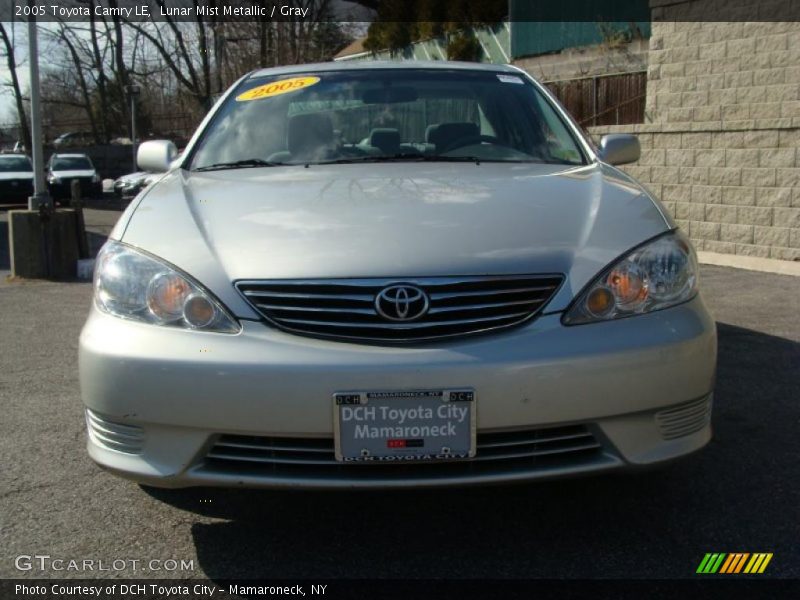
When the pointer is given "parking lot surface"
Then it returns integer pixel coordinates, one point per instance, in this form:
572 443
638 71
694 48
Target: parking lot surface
741 493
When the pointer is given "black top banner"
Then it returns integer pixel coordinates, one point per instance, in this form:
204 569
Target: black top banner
408 11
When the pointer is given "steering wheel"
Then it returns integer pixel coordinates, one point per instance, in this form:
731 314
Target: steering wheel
469 140
351 151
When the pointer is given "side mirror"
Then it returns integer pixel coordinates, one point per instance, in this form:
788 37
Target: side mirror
156 156
619 149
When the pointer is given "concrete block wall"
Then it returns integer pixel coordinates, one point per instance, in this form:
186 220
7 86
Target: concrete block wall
721 147
735 192
734 73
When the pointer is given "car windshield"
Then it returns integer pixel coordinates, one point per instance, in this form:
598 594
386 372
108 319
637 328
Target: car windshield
10 164
385 115
71 163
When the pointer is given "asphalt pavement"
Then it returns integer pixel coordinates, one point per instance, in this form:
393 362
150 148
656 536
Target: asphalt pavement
741 493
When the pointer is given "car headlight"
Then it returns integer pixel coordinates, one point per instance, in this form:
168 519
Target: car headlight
133 285
656 275
54 179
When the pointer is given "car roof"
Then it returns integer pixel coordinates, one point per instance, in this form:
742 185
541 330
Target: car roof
13 154
66 155
365 65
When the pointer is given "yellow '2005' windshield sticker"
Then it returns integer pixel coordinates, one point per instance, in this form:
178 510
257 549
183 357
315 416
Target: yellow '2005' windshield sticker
276 88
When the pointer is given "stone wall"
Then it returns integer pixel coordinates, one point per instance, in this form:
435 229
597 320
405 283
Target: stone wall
721 147
734 191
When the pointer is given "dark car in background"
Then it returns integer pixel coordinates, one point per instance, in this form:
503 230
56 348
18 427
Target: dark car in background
74 139
16 178
131 184
62 169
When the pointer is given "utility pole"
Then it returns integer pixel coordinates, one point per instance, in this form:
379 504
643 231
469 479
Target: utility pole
41 241
40 196
133 92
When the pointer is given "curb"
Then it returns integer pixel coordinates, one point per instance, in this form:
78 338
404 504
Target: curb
751 263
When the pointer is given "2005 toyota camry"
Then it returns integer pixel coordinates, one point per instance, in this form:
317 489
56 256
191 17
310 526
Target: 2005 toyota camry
393 274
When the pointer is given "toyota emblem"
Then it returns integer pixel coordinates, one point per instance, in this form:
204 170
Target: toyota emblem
401 303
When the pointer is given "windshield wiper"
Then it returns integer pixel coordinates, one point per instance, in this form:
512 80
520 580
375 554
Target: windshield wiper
370 158
440 158
239 164
409 156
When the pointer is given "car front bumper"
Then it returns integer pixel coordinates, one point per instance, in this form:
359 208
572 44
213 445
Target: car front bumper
159 399
89 188
15 191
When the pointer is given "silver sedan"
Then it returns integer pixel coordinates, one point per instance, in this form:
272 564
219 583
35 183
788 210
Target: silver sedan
393 275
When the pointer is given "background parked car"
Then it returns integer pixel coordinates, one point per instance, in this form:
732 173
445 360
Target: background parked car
16 178
74 139
62 169
133 183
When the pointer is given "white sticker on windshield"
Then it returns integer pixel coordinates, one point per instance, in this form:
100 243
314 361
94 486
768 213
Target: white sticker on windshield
510 79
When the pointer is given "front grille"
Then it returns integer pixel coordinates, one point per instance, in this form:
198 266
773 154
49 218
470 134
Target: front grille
684 419
84 181
345 308
508 450
16 187
114 436
11 184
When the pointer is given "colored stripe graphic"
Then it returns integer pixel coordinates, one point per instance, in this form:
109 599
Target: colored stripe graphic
703 563
764 564
711 563
758 563
734 562
741 562
717 564
727 564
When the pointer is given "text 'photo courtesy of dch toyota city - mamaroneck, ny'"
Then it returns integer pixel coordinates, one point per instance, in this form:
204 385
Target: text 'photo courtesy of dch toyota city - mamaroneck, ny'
399 299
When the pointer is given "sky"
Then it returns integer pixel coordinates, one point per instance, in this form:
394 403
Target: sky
7 110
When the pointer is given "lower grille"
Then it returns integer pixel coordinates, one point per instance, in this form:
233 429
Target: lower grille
684 419
509 450
432 307
114 436
16 185
85 182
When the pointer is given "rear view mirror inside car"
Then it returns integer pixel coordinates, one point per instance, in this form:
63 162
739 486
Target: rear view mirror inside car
389 95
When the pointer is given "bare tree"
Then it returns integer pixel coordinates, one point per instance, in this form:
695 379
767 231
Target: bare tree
169 40
99 70
16 90
65 35
121 70
180 65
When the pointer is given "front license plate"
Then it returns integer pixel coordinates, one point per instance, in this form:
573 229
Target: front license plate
404 426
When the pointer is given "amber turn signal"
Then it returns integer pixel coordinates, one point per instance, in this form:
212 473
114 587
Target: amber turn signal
198 311
600 302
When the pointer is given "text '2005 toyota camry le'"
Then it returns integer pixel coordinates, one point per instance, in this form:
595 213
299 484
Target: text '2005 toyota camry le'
393 274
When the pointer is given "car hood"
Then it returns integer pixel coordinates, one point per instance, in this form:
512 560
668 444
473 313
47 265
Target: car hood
4 176
74 173
392 220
